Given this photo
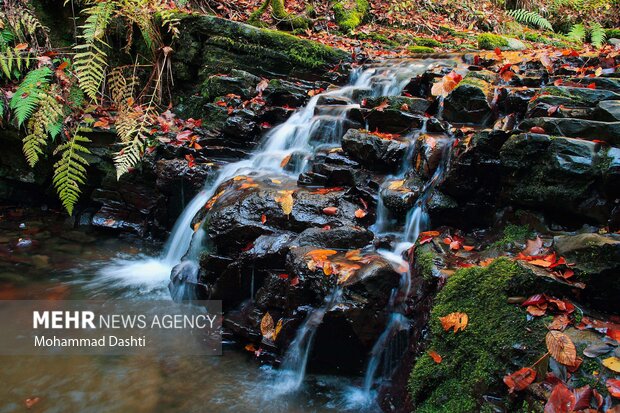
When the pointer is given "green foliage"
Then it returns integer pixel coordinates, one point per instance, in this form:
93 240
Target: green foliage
47 120
90 60
511 234
426 41
70 170
577 33
598 36
27 96
531 18
420 49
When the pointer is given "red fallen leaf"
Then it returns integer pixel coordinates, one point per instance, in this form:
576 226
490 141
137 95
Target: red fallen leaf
221 103
382 106
552 109
190 161
537 129
592 86
360 213
455 245
468 247
613 333
498 51
435 356
263 218
566 274
31 401
295 281
266 125
550 258
330 210
560 261
613 387
536 299
248 247
424 239
562 400
476 60
558 82
24 46
520 379
447 241
283 276
583 395
599 142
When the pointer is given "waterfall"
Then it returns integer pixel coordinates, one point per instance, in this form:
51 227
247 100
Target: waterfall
293 368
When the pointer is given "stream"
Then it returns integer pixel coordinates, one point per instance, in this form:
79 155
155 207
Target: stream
42 259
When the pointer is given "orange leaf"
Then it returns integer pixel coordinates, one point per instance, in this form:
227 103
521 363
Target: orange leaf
31 401
541 263
360 213
457 321
285 161
561 348
263 218
267 328
435 356
330 211
520 379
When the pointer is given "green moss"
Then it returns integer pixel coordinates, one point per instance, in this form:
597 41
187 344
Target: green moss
489 41
476 359
512 234
424 263
350 13
424 41
279 13
613 33
420 49
377 38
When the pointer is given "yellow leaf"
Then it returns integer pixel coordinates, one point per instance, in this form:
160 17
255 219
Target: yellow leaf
278 329
612 363
327 268
285 199
561 348
396 185
267 328
285 161
457 321
276 181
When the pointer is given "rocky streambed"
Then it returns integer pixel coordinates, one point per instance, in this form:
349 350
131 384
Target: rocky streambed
339 220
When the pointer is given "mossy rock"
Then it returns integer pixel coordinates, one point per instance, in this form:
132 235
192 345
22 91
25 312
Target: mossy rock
489 41
425 41
612 33
497 340
350 13
420 49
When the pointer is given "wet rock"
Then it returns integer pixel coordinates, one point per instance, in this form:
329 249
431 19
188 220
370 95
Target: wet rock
399 197
372 151
338 238
404 103
429 151
238 82
553 174
576 128
608 111
392 120
175 173
581 95
596 260
281 92
468 102
242 126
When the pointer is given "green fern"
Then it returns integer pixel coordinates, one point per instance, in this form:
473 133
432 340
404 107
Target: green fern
28 95
90 60
577 33
531 18
47 120
70 170
598 36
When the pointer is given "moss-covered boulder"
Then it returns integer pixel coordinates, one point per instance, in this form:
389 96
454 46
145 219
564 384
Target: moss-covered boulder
420 49
209 45
350 13
469 101
497 340
489 41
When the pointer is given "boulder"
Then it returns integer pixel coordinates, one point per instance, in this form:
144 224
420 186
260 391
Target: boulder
468 102
335 238
374 152
608 111
238 82
576 128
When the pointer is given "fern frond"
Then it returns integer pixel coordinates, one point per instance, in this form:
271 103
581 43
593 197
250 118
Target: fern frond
28 94
70 170
531 18
34 142
90 58
598 36
46 120
577 33
130 155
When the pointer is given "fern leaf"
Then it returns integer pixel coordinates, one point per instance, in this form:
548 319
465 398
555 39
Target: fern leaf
70 171
577 33
531 18
129 156
597 35
28 94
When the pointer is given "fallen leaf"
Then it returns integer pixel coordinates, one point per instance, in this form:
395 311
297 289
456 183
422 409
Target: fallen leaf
382 106
261 86
267 328
360 213
541 263
560 322
520 379
613 387
595 350
285 199
583 395
457 321
447 84
285 161
561 347
537 129
533 247
435 356
562 400
330 210
31 401
396 185
277 329
263 218
612 363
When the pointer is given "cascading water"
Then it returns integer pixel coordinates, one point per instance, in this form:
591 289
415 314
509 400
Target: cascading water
324 120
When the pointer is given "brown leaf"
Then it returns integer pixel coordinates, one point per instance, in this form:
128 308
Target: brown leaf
267 328
382 106
435 356
520 379
277 329
533 247
31 401
560 322
562 400
457 321
561 347
262 85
